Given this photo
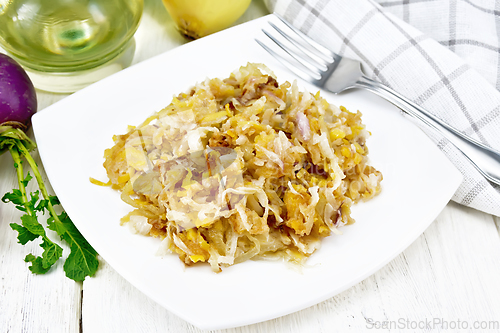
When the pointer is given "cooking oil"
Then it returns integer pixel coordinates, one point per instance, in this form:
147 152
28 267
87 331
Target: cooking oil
66 36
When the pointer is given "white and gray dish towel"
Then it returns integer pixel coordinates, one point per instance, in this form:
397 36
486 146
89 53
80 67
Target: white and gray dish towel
442 54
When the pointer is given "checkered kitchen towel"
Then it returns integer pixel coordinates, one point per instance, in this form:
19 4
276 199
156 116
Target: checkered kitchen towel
442 54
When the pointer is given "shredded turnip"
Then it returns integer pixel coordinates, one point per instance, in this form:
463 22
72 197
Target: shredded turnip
271 155
303 126
139 224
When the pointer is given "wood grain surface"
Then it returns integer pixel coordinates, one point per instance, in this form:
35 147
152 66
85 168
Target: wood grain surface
449 277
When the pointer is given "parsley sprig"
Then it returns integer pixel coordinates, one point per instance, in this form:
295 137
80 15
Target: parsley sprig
82 260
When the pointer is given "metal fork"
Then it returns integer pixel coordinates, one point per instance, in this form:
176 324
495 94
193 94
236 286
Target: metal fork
330 71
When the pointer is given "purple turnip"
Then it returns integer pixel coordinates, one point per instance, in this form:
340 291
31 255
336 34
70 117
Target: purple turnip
17 94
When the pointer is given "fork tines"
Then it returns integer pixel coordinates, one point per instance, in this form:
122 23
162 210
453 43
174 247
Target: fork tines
302 55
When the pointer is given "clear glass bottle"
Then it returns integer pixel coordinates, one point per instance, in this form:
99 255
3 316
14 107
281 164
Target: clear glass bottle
65 45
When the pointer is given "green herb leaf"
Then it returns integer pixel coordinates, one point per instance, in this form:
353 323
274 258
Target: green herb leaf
31 223
34 196
54 200
27 179
36 264
16 197
43 204
82 261
24 235
51 254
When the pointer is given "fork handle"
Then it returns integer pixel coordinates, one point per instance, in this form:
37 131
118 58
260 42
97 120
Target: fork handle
484 158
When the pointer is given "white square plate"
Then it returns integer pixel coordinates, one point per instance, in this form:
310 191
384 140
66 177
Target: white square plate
73 134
